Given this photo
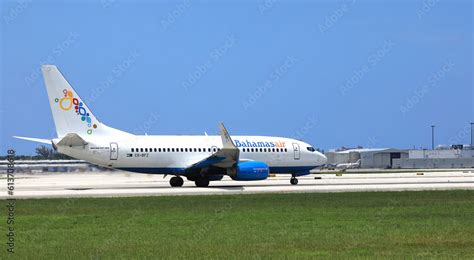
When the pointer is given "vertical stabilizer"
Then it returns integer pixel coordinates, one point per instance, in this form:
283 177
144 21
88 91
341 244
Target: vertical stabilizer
70 112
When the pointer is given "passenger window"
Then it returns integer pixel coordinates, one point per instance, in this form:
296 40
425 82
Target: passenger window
133 150
286 150
141 149
172 150
151 150
182 150
209 149
273 149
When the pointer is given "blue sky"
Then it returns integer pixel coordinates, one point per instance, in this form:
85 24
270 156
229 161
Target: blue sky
333 73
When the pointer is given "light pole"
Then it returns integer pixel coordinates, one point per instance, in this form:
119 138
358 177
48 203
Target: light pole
472 124
432 137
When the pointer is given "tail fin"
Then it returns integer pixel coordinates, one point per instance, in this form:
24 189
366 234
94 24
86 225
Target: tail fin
70 112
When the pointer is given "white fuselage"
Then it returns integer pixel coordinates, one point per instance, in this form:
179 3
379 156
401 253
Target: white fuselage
173 154
199 158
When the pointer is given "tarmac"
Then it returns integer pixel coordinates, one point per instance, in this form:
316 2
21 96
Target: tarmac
123 184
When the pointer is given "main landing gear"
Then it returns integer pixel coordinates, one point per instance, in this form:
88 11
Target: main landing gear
176 181
293 180
201 183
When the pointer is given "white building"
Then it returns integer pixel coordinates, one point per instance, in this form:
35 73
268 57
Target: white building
428 159
369 158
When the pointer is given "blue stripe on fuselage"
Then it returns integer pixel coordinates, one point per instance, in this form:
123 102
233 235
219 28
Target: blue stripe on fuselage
299 170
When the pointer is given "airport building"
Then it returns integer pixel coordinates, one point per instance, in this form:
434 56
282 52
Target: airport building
456 156
441 158
367 158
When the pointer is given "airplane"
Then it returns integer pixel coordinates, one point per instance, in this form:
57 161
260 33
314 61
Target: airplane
344 166
200 159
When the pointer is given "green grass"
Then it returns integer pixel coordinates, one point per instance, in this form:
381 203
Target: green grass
437 224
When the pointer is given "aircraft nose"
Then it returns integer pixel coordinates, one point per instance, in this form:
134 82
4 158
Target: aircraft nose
321 159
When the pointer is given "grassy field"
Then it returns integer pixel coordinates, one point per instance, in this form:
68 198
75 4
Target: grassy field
436 224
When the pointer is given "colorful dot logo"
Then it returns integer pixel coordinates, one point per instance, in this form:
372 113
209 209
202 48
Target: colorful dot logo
68 101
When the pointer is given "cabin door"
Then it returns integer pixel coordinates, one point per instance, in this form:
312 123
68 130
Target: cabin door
113 151
296 149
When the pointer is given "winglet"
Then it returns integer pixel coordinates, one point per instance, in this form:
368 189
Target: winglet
227 142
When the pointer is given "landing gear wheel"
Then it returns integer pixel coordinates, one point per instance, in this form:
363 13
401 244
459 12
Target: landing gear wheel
202 183
293 181
176 181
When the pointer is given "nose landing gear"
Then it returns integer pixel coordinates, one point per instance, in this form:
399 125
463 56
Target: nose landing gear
293 180
176 181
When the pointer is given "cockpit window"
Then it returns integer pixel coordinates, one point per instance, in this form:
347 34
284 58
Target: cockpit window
311 149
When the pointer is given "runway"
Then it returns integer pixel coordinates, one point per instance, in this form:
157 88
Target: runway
122 184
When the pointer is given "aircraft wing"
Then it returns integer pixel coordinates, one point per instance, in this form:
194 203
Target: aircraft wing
226 157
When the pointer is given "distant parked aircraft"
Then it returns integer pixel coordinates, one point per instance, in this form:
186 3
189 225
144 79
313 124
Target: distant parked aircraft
349 165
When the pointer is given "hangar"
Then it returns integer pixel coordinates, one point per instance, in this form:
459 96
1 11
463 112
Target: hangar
369 158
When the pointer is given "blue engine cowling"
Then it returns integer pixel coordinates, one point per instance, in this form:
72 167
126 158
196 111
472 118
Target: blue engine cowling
251 171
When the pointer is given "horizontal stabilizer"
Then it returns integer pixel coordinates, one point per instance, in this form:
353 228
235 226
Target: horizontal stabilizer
72 139
38 140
